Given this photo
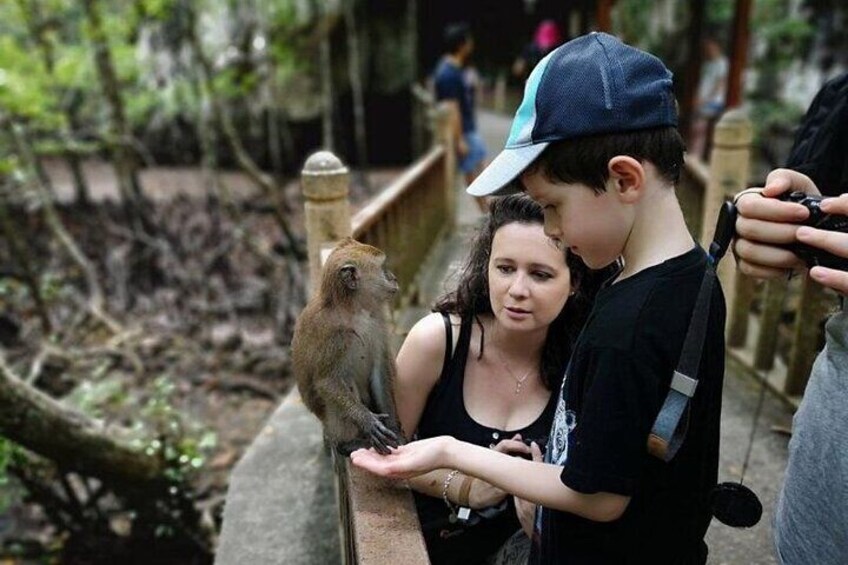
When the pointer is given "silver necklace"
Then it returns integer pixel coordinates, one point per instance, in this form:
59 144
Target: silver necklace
519 382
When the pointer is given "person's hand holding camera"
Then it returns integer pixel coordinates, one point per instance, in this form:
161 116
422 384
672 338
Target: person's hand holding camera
766 226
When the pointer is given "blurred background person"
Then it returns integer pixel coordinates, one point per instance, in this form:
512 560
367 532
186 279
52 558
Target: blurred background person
455 85
546 37
710 102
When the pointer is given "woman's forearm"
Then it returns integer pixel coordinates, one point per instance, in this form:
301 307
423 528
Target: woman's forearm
432 484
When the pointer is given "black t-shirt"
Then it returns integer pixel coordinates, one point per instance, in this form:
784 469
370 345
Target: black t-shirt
614 386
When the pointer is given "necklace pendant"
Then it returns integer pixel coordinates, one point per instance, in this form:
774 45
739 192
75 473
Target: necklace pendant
518 387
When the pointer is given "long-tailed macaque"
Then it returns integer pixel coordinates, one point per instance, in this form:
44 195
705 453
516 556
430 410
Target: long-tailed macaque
340 351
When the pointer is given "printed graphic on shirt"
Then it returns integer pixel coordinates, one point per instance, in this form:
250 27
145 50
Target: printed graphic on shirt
565 421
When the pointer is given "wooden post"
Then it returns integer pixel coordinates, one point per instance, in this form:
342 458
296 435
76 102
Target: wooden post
773 297
444 128
743 294
694 62
738 52
325 182
603 16
729 169
805 336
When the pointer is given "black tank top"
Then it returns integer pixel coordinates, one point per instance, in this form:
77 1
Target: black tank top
445 414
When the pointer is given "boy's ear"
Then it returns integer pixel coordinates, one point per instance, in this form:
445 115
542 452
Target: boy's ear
627 177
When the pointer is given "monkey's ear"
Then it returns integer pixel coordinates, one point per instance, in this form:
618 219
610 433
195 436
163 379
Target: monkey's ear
349 275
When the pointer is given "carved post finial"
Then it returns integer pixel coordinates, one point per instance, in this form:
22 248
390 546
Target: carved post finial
325 182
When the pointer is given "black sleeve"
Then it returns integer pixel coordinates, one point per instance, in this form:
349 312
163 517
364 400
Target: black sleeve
607 450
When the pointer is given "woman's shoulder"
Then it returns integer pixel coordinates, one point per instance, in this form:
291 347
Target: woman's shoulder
422 355
429 333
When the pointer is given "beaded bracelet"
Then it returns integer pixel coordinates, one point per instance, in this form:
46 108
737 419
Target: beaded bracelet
462 513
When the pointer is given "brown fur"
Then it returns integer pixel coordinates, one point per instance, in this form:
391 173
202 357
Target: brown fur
340 351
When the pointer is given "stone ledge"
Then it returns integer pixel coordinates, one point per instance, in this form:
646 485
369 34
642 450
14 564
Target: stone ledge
383 528
284 503
281 504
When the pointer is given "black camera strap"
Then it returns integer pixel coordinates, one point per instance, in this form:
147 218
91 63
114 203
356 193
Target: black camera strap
669 429
732 503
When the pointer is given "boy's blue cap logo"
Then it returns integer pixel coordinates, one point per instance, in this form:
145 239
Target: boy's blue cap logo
591 85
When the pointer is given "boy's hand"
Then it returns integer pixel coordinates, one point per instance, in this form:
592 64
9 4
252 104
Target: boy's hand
410 460
764 224
525 510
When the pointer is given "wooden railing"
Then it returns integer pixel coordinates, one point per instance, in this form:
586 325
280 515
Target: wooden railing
757 338
378 522
408 217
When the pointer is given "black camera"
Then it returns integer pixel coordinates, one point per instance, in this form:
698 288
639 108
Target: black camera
813 256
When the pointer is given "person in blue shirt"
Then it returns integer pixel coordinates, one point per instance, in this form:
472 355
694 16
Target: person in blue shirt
452 84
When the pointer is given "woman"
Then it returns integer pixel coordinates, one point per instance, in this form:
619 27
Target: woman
483 368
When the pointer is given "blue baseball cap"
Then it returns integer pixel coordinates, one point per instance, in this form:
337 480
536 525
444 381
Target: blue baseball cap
591 85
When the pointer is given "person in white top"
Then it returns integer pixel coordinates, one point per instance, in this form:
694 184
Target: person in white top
712 88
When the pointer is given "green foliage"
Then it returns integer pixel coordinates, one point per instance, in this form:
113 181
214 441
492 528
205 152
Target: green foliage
24 85
94 394
786 38
182 443
7 454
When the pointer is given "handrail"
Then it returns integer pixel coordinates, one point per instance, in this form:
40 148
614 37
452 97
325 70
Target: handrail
378 207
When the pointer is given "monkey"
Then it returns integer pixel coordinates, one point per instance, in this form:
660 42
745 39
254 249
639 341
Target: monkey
341 355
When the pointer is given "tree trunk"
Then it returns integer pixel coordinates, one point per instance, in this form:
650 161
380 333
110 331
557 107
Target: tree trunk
354 67
326 85
119 131
32 14
21 254
74 441
95 292
265 182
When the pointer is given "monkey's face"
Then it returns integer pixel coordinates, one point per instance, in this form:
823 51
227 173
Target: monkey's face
388 280
358 270
529 281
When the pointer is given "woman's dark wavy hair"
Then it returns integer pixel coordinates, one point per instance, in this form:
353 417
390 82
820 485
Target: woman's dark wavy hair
471 296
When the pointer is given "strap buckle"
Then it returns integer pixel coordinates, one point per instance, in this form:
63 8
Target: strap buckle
683 384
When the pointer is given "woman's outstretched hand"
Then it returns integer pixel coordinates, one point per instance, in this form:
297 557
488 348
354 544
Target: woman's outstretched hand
407 461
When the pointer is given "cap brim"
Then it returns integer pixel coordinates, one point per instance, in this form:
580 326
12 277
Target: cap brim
496 179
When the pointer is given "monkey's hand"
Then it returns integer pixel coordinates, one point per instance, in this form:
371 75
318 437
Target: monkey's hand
380 435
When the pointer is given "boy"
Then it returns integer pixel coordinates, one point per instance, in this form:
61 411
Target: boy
594 141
